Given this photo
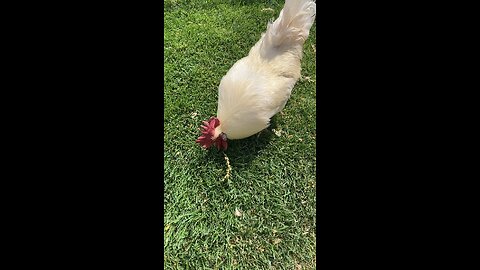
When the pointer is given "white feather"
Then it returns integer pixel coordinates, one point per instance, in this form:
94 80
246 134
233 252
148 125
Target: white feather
259 85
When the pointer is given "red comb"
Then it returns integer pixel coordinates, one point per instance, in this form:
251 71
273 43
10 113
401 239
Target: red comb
206 139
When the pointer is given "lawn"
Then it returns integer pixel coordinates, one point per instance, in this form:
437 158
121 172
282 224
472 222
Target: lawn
262 216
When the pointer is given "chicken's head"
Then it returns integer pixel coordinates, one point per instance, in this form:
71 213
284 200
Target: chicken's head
212 135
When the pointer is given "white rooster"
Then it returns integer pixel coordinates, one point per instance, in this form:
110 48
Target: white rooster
258 86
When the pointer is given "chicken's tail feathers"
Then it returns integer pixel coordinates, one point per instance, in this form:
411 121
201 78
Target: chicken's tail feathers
292 25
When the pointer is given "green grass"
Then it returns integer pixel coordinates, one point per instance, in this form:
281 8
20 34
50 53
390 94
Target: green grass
272 180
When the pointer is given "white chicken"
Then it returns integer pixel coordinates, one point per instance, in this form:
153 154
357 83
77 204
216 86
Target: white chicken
258 86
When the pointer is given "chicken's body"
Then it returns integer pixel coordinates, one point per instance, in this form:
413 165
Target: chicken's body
258 86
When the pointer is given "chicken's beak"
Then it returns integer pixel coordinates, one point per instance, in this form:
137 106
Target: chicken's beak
222 141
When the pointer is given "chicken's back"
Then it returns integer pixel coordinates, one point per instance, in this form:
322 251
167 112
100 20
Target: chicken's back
259 85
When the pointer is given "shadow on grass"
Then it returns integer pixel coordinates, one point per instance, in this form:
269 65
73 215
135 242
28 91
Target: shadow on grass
242 152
